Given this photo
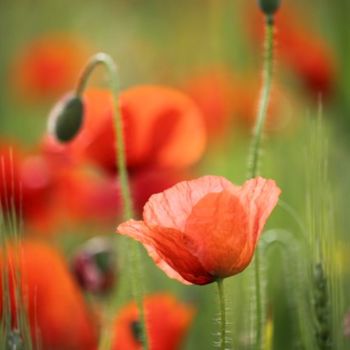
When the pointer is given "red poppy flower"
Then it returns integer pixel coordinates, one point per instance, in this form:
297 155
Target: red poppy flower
228 100
46 191
204 229
215 93
159 125
53 300
49 66
305 52
145 182
10 158
167 322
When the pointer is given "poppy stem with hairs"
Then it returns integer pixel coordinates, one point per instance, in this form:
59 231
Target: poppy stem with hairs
107 61
102 59
221 293
254 155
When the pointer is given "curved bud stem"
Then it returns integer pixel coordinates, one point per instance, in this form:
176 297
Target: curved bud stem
107 61
253 163
134 255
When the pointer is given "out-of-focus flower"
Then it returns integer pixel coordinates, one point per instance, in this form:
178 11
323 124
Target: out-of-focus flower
148 181
56 309
94 265
162 127
201 230
47 191
216 94
167 321
48 66
228 100
10 158
304 51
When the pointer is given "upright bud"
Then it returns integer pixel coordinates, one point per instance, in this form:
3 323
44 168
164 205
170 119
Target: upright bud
269 7
66 118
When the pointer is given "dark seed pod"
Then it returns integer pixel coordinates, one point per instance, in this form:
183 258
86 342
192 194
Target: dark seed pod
66 118
94 266
269 7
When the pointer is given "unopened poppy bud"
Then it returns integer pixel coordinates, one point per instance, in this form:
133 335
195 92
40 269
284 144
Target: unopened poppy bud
94 266
269 7
66 118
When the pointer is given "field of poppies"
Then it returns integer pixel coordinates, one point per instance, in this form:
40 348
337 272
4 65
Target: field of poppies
174 175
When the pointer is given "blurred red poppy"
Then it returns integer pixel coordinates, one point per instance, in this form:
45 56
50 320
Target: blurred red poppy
147 181
162 127
10 158
47 191
304 51
215 93
55 307
204 229
229 100
49 66
167 323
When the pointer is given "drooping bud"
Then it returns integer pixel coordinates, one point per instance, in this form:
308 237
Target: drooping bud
269 7
94 266
66 118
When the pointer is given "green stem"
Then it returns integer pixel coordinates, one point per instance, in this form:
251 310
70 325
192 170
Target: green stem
253 164
221 293
134 254
264 100
105 60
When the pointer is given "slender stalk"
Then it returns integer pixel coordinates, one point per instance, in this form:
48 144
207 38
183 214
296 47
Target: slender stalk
222 303
254 156
128 212
264 100
107 61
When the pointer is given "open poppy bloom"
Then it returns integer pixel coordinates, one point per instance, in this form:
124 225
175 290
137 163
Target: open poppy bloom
201 230
55 307
49 65
159 125
167 322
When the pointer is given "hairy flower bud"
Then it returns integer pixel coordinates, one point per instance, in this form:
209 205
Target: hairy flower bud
66 118
269 7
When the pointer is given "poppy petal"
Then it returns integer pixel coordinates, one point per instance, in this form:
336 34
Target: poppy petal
167 249
218 230
260 196
172 207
